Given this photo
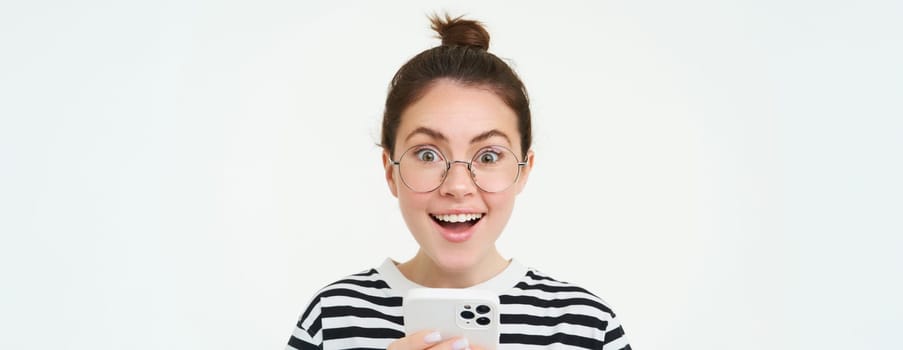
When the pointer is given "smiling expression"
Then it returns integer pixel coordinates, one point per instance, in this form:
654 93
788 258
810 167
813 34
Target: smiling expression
457 224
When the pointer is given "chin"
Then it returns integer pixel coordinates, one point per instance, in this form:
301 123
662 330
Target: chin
456 250
459 257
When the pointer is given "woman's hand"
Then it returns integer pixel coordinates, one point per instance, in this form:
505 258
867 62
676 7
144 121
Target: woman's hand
430 340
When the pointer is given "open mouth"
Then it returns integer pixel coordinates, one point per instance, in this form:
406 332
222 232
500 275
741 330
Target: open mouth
457 222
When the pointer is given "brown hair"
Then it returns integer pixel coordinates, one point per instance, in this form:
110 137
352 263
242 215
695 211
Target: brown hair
462 58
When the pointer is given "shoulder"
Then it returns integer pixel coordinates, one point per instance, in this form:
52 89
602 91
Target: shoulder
542 309
367 281
361 302
367 286
542 290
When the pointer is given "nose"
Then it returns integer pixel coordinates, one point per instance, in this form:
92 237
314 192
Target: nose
458 182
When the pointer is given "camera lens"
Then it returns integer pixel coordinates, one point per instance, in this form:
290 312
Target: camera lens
483 321
482 309
467 315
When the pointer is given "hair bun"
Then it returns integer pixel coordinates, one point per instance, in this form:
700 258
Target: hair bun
460 32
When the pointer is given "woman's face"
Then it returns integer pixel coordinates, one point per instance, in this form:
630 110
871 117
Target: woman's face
458 122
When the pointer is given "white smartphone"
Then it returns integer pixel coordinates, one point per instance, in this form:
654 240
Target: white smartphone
468 313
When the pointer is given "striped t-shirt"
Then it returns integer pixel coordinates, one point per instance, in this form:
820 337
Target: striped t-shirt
363 311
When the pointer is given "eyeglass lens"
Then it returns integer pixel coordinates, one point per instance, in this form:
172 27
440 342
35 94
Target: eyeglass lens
493 169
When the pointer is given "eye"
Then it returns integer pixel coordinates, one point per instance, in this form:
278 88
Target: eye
489 157
427 155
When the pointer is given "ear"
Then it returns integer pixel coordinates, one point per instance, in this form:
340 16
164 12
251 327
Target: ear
390 173
525 172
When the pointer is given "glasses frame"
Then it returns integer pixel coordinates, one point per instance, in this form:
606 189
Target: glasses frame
449 163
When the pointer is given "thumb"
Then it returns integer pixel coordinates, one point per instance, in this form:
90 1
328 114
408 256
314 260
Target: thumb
416 341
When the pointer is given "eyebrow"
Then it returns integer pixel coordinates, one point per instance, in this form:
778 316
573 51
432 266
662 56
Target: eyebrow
439 136
489 134
428 132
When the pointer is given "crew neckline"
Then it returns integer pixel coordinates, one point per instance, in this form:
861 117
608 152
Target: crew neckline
499 283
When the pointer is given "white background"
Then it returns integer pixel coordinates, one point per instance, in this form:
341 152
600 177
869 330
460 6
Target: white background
186 175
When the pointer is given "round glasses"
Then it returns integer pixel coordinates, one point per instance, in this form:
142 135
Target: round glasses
423 168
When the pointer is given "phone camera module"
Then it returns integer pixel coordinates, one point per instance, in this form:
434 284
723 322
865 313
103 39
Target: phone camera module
483 321
467 315
482 309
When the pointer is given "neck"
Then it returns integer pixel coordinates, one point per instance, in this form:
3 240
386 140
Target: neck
421 269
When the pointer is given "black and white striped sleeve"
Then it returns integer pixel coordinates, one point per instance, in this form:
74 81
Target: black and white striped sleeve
308 332
614 336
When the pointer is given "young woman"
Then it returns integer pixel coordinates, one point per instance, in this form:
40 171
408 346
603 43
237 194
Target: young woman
456 137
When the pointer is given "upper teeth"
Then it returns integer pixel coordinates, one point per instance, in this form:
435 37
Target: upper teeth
457 217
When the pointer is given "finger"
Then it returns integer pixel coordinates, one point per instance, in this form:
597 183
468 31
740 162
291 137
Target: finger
416 341
452 344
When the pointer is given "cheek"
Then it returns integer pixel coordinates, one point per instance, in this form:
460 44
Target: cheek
501 204
411 204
